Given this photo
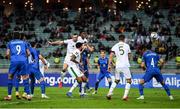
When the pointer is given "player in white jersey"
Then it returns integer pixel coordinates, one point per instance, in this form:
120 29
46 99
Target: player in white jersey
70 48
122 52
74 69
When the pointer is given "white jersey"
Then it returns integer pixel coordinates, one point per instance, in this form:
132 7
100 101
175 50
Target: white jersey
82 40
71 46
41 66
77 53
121 51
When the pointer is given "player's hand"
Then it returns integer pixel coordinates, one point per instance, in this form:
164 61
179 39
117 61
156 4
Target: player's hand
46 67
109 68
81 64
49 42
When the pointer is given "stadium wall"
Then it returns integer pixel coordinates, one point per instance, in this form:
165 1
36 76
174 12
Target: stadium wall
52 80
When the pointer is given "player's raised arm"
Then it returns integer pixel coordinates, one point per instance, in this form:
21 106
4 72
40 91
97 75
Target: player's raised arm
90 48
73 59
28 52
56 42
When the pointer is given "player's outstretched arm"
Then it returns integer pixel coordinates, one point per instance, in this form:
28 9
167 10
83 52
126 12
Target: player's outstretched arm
56 42
73 59
161 63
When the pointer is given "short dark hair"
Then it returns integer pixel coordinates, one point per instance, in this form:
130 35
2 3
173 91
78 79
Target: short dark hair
121 37
16 35
102 51
78 45
33 44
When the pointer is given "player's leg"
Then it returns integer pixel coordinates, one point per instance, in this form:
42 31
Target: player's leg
73 86
83 84
108 76
146 78
25 76
17 80
65 67
42 83
114 84
100 77
72 71
159 78
12 71
128 76
87 84
32 84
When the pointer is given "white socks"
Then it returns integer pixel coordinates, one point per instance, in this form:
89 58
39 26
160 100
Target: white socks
112 88
82 87
74 86
126 91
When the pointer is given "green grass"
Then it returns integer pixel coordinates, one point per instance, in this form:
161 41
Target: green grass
154 98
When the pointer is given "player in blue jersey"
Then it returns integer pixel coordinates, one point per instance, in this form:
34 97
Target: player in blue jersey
85 56
34 70
17 51
103 69
150 64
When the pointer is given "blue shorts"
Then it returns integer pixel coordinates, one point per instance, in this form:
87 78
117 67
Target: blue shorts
104 74
150 74
19 68
35 73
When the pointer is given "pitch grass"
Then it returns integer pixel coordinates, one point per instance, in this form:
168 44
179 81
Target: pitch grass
154 98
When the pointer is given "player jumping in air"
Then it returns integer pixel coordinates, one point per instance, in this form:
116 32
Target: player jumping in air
150 63
103 69
71 46
74 69
17 51
122 52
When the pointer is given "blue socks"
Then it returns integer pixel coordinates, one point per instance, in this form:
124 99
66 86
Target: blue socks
10 85
166 89
26 86
17 84
42 87
96 85
110 83
141 87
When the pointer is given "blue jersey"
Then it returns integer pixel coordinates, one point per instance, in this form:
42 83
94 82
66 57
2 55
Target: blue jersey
17 50
35 57
85 56
103 63
151 60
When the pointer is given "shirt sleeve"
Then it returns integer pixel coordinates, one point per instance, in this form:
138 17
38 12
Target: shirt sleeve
113 49
66 41
129 50
98 62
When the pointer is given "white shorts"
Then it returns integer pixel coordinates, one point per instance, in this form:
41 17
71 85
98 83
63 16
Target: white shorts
126 72
74 71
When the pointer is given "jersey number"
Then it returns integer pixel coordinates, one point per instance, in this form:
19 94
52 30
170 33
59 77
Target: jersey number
18 48
152 62
121 50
